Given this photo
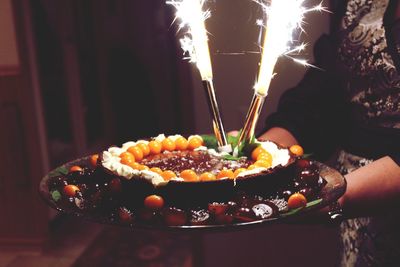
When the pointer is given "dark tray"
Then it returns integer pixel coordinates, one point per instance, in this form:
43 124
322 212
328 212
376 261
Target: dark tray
333 189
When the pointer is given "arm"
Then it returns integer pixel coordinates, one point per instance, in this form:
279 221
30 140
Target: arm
372 189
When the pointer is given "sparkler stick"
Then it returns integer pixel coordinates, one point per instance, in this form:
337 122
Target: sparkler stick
283 16
195 43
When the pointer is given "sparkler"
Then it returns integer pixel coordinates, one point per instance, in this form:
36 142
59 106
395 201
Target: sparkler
195 44
283 17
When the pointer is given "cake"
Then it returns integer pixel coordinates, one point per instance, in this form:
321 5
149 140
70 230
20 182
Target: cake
177 181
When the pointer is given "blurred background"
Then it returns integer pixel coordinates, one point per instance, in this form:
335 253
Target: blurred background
78 76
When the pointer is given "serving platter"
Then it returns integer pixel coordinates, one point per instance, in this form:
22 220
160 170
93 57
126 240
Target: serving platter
333 188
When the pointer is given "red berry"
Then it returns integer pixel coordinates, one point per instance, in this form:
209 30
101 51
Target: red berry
125 215
174 217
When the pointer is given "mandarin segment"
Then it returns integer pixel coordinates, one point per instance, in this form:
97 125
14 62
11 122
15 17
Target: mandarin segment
181 143
207 176
195 142
128 160
252 167
168 144
168 175
256 152
142 167
262 163
189 175
156 170
155 147
297 150
145 148
265 156
225 173
238 171
136 152
134 165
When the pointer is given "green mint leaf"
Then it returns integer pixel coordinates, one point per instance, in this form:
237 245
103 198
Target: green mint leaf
59 171
230 157
56 195
308 205
313 203
210 141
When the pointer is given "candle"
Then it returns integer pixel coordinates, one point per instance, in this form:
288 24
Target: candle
283 17
195 43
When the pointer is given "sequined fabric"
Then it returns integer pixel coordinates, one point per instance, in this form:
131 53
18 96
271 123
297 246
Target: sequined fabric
373 82
374 91
368 241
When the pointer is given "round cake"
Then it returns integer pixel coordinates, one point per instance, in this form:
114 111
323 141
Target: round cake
173 180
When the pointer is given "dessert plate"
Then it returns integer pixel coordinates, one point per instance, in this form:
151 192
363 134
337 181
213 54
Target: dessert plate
332 190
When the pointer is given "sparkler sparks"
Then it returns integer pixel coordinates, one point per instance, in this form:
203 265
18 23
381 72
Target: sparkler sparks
283 18
195 41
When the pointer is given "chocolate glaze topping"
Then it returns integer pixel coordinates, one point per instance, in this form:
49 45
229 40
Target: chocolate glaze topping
198 161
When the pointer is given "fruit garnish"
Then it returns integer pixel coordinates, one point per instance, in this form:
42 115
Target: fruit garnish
189 175
168 175
168 145
174 217
127 158
125 215
225 173
142 167
154 202
93 160
145 148
70 190
181 143
297 150
207 176
238 171
262 163
156 170
257 151
137 152
195 142
128 161
216 208
265 156
75 168
155 147
297 200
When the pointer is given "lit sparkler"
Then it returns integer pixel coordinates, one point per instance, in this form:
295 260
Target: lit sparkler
195 44
283 17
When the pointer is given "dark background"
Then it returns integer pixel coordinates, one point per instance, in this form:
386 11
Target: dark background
82 75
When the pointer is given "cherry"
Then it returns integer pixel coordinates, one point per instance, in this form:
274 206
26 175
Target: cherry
174 216
125 215
216 208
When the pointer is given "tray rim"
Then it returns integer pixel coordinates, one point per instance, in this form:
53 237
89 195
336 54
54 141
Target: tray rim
331 192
